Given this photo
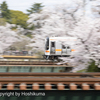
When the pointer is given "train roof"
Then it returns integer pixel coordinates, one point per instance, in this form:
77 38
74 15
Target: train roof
63 38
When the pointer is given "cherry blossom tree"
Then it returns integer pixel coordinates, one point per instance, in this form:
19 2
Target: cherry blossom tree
8 36
52 23
80 20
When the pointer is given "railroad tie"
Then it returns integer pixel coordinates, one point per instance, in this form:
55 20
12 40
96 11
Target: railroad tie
97 86
35 86
23 86
85 86
0 86
10 86
48 86
73 86
60 86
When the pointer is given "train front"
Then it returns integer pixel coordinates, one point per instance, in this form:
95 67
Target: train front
47 49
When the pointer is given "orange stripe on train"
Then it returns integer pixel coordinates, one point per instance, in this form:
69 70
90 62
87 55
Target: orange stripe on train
58 50
47 51
73 50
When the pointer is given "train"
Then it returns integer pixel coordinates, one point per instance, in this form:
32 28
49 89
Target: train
55 47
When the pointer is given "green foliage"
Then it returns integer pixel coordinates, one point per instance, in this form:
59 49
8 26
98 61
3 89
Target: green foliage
4 10
14 28
36 8
12 16
31 28
93 68
2 22
80 71
18 18
29 35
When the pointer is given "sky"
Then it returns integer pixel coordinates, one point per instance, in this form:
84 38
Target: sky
22 5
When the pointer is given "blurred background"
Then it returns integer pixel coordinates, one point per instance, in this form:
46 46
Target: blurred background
24 25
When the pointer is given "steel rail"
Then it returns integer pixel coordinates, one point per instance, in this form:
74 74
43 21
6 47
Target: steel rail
28 63
34 66
62 74
19 57
55 80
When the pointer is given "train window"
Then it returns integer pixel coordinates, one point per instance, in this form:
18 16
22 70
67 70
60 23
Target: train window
47 44
68 47
52 44
63 47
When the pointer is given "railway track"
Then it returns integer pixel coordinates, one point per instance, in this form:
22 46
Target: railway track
27 63
18 57
65 75
50 81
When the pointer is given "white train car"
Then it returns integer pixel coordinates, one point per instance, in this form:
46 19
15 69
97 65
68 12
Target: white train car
54 47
